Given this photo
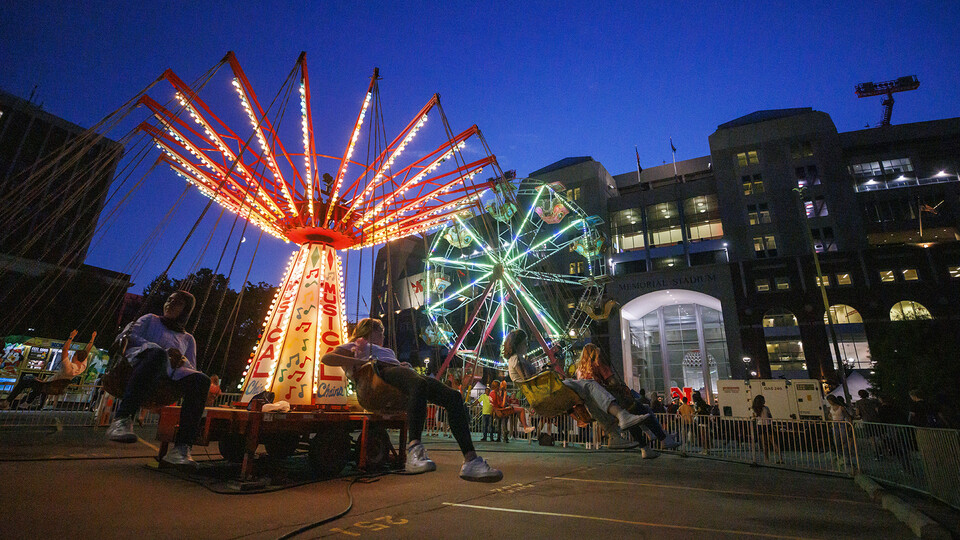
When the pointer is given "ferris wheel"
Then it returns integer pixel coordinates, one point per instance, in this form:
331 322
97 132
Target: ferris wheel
532 260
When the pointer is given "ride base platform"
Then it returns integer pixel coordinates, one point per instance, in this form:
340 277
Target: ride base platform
239 432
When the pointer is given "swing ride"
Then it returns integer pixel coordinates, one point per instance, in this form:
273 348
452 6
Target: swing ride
399 191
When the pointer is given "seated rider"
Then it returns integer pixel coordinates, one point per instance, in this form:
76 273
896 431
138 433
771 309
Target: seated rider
591 367
69 368
601 404
366 344
161 350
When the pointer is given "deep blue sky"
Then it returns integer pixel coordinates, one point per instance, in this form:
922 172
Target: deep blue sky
543 80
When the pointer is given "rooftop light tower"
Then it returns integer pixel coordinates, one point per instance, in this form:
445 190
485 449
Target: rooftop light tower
887 88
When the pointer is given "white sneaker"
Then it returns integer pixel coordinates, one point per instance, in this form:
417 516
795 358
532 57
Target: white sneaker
417 460
121 430
617 442
670 442
628 420
180 455
649 453
478 470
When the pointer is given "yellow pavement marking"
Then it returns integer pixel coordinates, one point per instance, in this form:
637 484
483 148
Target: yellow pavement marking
623 521
155 448
726 491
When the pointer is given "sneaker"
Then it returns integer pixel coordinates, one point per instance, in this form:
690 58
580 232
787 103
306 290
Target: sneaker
478 470
417 460
628 420
180 455
617 442
649 453
670 442
121 430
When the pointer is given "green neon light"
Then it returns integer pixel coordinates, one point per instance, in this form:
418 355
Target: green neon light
545 240
524 222
465 287
541 313
484 266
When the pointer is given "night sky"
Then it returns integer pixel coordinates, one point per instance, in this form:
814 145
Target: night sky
543 80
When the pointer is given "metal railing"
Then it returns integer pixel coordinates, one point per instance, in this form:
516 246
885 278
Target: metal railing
922 459
82 405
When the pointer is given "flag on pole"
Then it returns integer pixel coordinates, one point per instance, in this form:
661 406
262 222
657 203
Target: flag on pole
639 168
672 147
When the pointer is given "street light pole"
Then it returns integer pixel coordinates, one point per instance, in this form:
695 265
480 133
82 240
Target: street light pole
801 191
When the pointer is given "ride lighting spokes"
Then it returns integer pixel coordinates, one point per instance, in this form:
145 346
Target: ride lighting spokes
410 184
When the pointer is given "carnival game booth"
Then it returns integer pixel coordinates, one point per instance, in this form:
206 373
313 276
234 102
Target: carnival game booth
42 357
397 190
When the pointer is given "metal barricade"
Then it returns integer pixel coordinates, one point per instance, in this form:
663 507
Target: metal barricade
922 459
810 445
75 407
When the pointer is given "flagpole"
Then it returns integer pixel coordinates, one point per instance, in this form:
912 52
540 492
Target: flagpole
920 217
674 151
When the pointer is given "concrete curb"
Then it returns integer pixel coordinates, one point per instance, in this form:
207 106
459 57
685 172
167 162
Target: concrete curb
921 525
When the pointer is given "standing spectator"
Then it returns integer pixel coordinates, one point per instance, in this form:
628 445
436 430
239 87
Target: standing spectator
686 412
161 350
674 406
840 416
215 390
920 412
486 415
764 419
703 421
867 408
656 405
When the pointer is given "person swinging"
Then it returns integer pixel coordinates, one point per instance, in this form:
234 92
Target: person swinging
601 404
365 345
69 368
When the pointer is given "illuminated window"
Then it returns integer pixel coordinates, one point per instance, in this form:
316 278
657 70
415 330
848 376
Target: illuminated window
763 285
910 274
909 311
747 158
783 283
573 194
747 185
844 279
826 281
887 276
576 268
807 176
954 272
765 246
816 208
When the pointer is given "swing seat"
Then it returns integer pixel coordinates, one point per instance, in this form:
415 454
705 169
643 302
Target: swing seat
118 375
376 395
548 396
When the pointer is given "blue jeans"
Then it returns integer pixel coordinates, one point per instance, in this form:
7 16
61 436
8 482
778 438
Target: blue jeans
597 400
486 425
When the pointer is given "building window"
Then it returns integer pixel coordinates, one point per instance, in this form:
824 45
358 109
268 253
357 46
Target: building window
887 276
801 150
807 176
576 268
627 229
823 239
573 194
909 311
763 285
752 185
816 208
783 283
826 281
747 158
844 279
666 236
758 213
765 246
954 272
705 231
885 174
910 274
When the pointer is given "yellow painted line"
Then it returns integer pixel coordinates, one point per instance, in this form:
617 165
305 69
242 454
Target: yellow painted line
624 521
148 445
725 491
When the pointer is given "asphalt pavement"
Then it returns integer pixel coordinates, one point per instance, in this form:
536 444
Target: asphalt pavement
73 484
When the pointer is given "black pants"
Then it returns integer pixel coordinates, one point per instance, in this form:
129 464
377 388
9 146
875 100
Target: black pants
27 383
420 390
150 369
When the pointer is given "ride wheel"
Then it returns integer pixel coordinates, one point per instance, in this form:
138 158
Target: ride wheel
232 447
524 263
282 445
330 451
378 447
